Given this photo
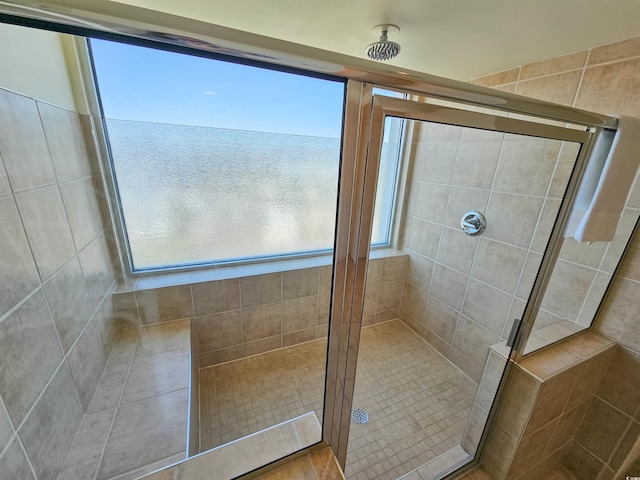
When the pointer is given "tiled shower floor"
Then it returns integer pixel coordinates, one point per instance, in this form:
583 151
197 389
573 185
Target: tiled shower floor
417 401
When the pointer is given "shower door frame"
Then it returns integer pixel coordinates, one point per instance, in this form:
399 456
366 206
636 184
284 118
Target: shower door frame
115 21
373 112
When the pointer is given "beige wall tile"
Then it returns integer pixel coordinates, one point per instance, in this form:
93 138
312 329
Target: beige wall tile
618 244
518 401
81 204
617 318
299 314
56 415
97 269
498 264
424 238
155 374
526 165
6 429
582 463
498 453
440 319
486 306
545 224
560 88
467 365
322 315
456 250
370 299
299 283
22 143
567 426
220 356
374 271
162 418
531 448
615 51
585 254
386 315
552 399
448 286
594 298
476 164
572 61
261 321
473 341
611 89
20 274
475 426
442 133
491 376
301 336
463 200
29 348
419 271
389 296
14 463
126 309
528 277
218 331
413 301
164 304
86 362
567 289
5 187
69 302
432 202
216 297
439 161
86 452
600 429
627 442
261 289
393 268
262 345
508 76
564 167
591 373
47 227
512 218
65 139
621 382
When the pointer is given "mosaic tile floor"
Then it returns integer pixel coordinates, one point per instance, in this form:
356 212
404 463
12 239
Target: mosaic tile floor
417 401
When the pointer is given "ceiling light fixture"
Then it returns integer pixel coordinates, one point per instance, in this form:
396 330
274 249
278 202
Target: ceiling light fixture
384 49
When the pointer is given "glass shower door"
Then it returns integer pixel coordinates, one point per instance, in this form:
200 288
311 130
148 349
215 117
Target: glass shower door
477 198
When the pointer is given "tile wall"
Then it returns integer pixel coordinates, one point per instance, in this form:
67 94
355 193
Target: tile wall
56 327
544 403
462 293
239 317
606 80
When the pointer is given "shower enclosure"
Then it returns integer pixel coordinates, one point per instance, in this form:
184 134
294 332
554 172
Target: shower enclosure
390 344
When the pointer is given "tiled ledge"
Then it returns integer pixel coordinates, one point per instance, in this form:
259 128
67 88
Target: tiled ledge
160 280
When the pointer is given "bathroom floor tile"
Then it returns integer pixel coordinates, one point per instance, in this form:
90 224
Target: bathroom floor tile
418 402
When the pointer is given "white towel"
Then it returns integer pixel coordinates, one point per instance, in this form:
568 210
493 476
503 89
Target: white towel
606 184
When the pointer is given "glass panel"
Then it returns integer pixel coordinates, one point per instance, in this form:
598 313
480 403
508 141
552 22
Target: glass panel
218 161
439 309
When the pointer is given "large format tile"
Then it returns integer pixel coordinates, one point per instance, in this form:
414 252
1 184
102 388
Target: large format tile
498 264
261 321
512 218
20 275
216 297
448 286
473 341
476 164
218 331
80 201
83 459
66 143
155 374
97 269
300 314
29 348
14 463
22 143
57 415
6 429
560 88
47 227
611 88
5 188
69 302
486 306
261 289
620 384
87 361
299 283
146 431
567 290
601 429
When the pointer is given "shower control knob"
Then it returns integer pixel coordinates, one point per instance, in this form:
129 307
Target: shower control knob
473 223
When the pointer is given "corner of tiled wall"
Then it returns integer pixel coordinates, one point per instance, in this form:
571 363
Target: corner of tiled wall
56 321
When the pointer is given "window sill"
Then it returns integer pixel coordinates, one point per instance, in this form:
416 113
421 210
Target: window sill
160 280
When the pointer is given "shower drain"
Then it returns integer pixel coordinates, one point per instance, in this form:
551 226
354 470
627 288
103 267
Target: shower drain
360 416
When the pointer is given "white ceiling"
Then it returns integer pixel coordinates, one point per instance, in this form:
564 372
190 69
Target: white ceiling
460 39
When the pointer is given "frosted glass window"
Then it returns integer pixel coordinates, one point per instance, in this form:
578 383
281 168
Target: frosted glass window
220 162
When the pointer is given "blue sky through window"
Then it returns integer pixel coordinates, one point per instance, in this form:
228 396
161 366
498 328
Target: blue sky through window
143 84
